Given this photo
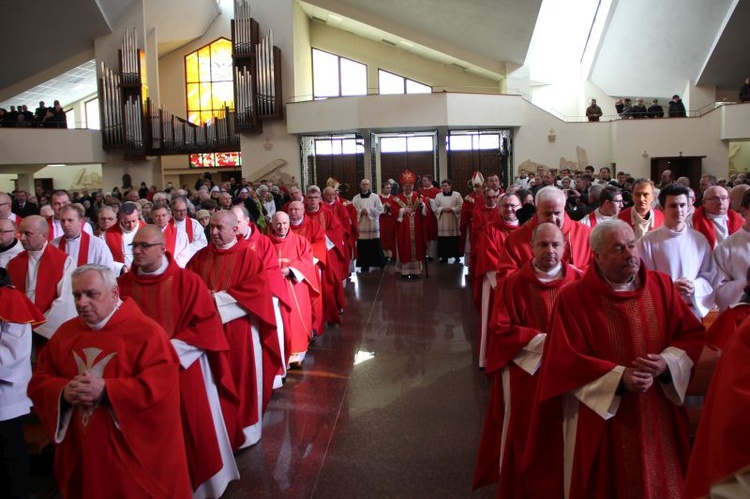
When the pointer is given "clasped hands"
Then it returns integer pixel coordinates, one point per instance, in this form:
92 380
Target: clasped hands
84 390
644 370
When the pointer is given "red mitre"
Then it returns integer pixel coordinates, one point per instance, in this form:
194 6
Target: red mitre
407 177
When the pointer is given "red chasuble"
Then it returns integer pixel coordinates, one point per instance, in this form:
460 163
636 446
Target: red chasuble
722 444
488 250
113 238
83 249
467 209
51 267
295 251
703 224
314 233
726 324
388 225
626 216
131 445
337 267
180 302
15 307
517 248
481 218
522 309
431 225
643 450
239 271
410 235
170 237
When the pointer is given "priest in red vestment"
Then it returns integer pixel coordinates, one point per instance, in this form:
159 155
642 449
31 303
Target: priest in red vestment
520 322
388 222
471 202
119 236
428 191
714 219
550 203
300 276
720 462
483 215
337 264
106 389
316 236
42 272
263 247
176 241
180 302
82 247
619 357
410 236
489 247
236 276
347 215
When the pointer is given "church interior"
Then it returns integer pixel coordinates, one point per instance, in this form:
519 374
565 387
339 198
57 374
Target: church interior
389 403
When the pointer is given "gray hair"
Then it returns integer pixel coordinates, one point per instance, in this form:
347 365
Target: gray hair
595 190
596 240
548 193
105 272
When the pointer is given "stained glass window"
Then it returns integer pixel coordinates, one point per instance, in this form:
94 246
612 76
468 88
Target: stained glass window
209 91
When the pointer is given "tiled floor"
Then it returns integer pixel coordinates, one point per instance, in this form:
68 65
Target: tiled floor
388 404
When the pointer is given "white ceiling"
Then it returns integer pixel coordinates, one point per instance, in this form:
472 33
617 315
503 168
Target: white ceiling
648 48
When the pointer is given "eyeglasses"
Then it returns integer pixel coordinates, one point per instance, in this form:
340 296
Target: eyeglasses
510 206
144 245
717 198
3 204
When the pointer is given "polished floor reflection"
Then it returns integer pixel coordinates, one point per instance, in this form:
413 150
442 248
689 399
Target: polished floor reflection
388 404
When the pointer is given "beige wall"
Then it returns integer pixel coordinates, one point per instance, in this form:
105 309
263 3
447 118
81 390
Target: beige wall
378 55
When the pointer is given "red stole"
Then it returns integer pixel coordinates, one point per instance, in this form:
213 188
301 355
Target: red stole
113 238
51 266
83 249
592 219
189 229
703 224
51 225
170 237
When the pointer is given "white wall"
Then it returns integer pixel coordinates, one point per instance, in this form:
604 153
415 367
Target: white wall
377 55
44 146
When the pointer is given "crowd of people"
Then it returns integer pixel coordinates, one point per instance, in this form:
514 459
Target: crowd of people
627 110
142 308
43 116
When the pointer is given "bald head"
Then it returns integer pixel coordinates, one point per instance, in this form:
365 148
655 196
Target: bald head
34 232
149 234
280 224
224 228
148 248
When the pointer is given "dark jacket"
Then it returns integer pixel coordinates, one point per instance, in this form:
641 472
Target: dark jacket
677 109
